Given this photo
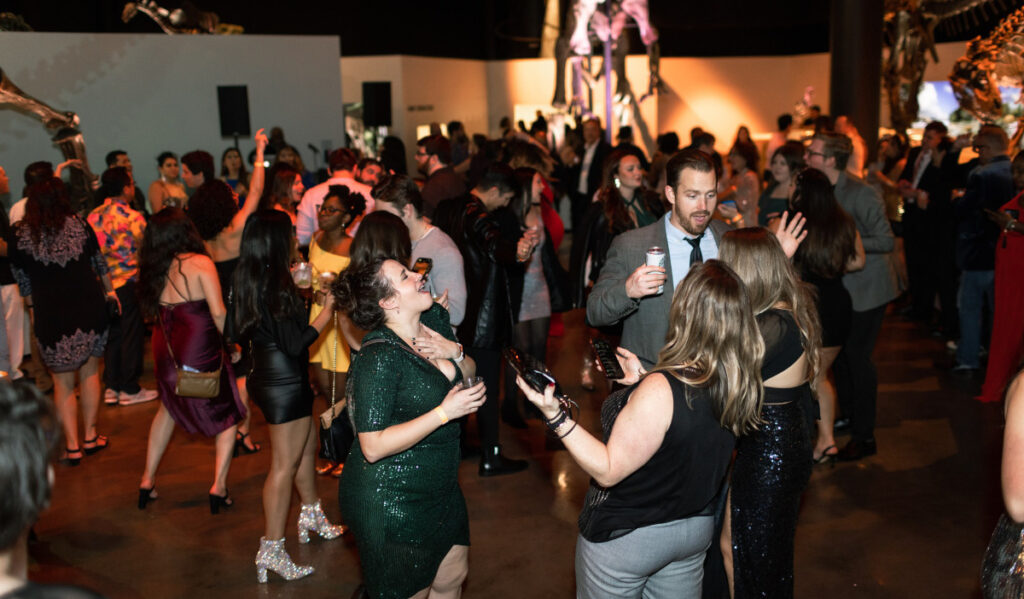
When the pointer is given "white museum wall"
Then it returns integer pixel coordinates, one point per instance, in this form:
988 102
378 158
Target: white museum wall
423 90
716 93
149 93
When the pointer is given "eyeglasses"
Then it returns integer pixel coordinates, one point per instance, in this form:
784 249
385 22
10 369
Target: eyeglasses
421 153
327 210
810 152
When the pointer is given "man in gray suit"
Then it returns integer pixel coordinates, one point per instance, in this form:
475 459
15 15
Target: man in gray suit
871 289
627 290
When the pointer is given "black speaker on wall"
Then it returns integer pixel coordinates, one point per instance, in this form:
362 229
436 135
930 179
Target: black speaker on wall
377 103
233 104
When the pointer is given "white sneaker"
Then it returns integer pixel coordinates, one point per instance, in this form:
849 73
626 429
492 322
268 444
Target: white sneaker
110 397
142 396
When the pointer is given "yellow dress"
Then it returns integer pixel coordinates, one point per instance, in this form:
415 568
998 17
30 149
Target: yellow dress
322 350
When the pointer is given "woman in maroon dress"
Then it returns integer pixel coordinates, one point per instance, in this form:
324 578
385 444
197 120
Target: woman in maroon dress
178 284
1007 345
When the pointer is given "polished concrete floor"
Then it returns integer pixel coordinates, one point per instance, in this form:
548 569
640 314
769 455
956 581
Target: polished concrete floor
912 521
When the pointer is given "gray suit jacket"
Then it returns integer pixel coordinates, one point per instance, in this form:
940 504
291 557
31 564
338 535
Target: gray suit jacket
645 320
875 285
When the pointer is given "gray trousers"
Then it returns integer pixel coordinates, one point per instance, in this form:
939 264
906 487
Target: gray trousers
653 562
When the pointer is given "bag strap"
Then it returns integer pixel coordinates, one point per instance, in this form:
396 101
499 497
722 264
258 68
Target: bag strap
334 365
167 337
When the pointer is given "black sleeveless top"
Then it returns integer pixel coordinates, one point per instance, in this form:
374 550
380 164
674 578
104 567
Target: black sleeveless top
680 480
782 343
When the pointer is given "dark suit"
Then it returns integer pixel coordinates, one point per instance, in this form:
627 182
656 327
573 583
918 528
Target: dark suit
592 176
644 320
871 289
928 236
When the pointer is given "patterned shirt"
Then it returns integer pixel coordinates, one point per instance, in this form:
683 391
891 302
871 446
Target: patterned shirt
119 230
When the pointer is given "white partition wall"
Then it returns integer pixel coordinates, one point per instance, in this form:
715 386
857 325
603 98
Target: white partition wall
149 93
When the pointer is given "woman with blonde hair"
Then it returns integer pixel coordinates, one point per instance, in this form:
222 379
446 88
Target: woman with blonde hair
773 463
648 518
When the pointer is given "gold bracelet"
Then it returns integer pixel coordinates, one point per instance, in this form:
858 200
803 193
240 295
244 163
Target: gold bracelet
442 415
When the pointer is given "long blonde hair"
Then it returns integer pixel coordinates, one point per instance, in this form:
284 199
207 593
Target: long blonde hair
757 257
713 342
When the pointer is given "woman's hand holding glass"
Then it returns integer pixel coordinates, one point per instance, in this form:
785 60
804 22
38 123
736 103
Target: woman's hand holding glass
461 400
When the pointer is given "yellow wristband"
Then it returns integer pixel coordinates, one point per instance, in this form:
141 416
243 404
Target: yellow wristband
441 414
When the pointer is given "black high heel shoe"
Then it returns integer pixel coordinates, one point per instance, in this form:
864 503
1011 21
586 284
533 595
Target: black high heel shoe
219 501
146 495
241 448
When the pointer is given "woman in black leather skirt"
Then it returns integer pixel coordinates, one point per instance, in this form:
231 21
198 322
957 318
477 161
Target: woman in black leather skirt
271 316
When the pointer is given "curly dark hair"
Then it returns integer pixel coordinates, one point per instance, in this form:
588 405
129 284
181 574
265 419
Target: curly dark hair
212 207
169 234
358 291
352 202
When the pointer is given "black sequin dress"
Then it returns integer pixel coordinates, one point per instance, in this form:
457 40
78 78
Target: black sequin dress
771 470
406 511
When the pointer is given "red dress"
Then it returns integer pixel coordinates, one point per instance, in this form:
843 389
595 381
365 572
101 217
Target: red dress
1007 344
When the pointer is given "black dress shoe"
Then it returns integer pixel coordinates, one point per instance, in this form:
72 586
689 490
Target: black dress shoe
857 449
492 463
841 424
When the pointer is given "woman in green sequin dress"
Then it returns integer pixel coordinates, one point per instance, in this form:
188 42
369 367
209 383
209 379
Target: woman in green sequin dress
399 489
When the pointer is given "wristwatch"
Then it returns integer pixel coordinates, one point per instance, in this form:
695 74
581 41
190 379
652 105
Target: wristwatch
462 354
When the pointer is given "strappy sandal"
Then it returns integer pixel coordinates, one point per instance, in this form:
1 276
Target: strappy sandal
242 448
826 457
70 461
98 443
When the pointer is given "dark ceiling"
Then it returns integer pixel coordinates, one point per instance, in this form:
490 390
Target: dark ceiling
495 29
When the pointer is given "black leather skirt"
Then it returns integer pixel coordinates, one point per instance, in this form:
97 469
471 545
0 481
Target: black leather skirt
279 384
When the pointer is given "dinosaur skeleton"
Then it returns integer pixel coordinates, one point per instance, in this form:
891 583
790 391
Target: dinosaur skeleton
574 46
909 38
991 62
68 138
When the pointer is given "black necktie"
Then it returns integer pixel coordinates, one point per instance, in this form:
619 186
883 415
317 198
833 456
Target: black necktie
695 256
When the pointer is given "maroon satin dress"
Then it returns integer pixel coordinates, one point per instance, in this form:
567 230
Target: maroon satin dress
197 344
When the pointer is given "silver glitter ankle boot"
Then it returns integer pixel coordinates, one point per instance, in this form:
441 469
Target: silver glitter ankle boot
312 517
272 556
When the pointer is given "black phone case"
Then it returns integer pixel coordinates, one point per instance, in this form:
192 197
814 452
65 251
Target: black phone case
605 355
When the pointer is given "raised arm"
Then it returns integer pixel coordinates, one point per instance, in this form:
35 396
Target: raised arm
252 200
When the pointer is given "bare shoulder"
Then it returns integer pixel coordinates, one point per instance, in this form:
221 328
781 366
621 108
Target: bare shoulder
196 263
653 388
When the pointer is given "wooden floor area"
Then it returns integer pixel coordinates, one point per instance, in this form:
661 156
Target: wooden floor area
912 521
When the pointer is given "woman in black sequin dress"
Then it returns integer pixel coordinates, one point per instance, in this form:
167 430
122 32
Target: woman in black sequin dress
773 464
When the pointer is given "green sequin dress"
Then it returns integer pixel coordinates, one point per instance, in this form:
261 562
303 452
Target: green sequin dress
406 511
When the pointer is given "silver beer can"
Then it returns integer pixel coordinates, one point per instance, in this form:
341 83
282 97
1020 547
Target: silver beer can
656 257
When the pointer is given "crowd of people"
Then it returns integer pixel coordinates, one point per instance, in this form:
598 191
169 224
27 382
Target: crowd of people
754 332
